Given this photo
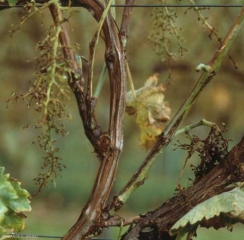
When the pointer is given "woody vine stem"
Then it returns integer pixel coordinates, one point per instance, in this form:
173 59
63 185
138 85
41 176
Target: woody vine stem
208 72
108 143
110 156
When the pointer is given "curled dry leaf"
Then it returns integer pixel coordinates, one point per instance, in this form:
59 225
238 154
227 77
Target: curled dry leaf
149 109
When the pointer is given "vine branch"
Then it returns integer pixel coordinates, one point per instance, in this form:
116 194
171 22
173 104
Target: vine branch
213 183
109 144
166 136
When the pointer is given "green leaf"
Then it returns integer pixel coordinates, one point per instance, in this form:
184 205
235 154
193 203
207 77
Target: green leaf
13 222
13 200
12 3
3 210
22 203
229 204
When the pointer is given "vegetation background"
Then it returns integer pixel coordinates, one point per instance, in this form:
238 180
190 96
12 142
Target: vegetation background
58 207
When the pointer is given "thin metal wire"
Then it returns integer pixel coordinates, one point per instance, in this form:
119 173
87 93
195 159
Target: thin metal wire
178 5
156 5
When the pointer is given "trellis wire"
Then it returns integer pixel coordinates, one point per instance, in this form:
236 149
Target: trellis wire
155 5
178 5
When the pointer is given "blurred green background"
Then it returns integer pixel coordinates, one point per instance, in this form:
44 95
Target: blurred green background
56 209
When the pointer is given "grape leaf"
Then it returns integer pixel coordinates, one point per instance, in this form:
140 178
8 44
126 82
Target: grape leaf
13 201
230 205
150 110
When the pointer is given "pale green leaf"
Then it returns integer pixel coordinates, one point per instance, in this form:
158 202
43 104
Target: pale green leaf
230 204
3 210
13 200
12 223
22 203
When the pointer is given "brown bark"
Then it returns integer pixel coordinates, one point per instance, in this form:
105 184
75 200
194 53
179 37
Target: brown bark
108 145
160 221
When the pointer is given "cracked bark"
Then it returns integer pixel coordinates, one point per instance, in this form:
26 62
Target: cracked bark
110 153
160 221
